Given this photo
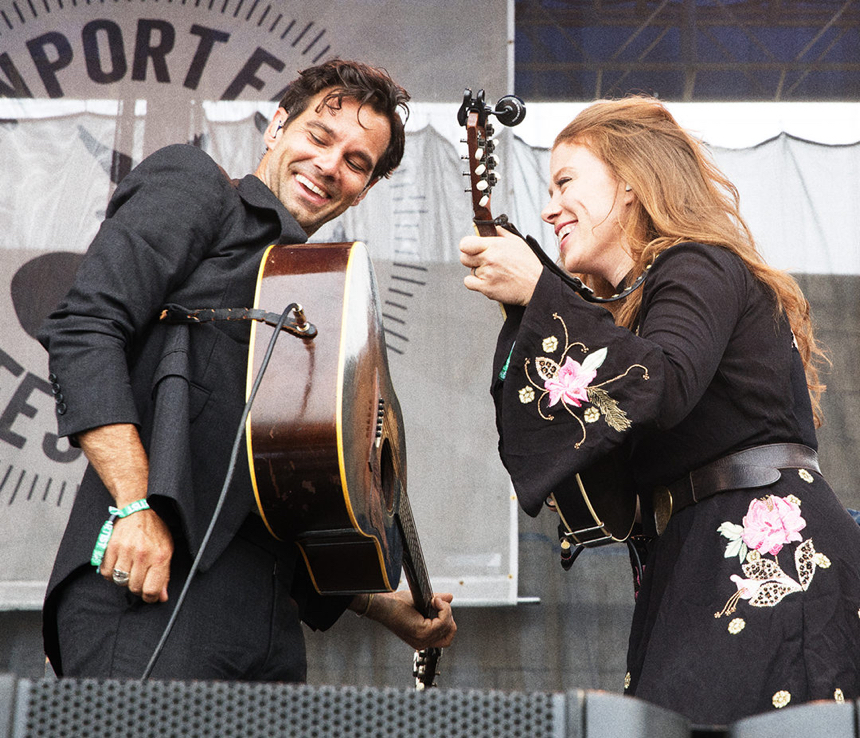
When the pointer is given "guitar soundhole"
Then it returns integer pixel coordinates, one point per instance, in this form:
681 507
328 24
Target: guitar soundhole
387 476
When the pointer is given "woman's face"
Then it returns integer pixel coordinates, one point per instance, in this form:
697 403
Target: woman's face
585 207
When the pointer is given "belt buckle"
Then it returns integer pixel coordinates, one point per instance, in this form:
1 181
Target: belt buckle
662 504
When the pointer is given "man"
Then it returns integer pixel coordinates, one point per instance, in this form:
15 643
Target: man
155 405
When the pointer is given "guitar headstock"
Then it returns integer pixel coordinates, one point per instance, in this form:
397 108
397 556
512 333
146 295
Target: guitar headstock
425 666
482 160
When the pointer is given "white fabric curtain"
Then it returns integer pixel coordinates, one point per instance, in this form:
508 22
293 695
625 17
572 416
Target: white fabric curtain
56 161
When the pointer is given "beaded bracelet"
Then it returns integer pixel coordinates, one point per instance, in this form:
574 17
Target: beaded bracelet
107 529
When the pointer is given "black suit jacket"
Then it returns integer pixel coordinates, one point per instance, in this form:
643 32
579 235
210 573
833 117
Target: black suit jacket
177 231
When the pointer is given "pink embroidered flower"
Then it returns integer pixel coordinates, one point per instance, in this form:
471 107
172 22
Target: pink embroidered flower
570 383
772 523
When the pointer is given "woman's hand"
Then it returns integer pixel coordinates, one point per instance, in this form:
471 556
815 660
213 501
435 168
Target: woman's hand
503 267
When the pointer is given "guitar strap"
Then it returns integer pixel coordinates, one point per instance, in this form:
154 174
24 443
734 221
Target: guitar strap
177 314
297 325
575 283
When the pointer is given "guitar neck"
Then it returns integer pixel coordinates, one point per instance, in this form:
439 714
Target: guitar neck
413 560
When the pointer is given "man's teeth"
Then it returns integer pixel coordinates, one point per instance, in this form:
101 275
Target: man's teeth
311 186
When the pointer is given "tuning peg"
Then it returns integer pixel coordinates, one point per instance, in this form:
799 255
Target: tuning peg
482 185
479 154
484 201
492 161
480 169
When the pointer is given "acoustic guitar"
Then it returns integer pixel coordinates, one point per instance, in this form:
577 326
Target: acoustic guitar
325 437
600 507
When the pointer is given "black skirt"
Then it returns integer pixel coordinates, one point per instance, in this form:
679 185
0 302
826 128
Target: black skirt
750 602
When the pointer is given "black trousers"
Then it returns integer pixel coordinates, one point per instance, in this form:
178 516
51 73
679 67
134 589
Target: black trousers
238 621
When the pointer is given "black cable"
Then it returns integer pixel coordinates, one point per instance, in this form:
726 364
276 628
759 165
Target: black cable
223 495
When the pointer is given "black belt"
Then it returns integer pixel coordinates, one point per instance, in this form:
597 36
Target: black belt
753 467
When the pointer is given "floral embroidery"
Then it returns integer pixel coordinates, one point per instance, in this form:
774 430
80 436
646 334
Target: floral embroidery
839 696
737 625
627 680
770 524
805 475
793 499
568 384
781 699
571 380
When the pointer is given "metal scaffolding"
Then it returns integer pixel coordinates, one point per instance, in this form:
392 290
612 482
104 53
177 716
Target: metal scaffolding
689 50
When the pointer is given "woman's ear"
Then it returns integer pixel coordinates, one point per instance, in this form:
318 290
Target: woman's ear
628 194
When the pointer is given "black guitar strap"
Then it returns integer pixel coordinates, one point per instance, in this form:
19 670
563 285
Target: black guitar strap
296 325
189 317
574 283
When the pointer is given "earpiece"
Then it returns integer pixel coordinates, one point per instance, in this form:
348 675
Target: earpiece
627 188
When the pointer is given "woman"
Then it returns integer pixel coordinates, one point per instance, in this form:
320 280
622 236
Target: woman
751 595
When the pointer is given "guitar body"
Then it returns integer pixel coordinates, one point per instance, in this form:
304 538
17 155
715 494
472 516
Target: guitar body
325 437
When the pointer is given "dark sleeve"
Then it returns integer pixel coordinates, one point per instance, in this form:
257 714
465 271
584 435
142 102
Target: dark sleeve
575 384
162 219
318 612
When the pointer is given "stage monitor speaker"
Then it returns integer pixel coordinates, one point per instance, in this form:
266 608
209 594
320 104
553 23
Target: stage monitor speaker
81 708
812 720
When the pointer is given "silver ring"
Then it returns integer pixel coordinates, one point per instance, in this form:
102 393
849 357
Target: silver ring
120 577
474 271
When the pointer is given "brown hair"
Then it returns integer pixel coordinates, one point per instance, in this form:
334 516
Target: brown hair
355 81
681 196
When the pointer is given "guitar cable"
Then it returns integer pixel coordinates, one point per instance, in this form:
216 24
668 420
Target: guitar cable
231 468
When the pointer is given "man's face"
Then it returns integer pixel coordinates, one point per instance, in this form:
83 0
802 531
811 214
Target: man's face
320 163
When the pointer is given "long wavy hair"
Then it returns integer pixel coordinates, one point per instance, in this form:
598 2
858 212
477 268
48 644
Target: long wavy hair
681 196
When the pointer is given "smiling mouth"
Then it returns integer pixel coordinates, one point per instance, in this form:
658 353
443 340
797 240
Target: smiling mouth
308 185
565 231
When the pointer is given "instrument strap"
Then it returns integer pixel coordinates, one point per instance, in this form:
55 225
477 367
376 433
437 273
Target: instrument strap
297 325
573 282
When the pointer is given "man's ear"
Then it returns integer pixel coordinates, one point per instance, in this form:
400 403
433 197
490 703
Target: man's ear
279 120
361 194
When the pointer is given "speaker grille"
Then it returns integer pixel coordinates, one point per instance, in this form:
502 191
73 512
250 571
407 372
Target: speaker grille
77 708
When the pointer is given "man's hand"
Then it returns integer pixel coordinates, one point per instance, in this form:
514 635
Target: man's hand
396 611
503 267
141 544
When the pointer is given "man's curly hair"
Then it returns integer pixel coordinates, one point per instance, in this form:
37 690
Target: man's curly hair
360 82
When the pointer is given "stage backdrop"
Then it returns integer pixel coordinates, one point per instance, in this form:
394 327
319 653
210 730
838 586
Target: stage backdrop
87 90
74 131
55 179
